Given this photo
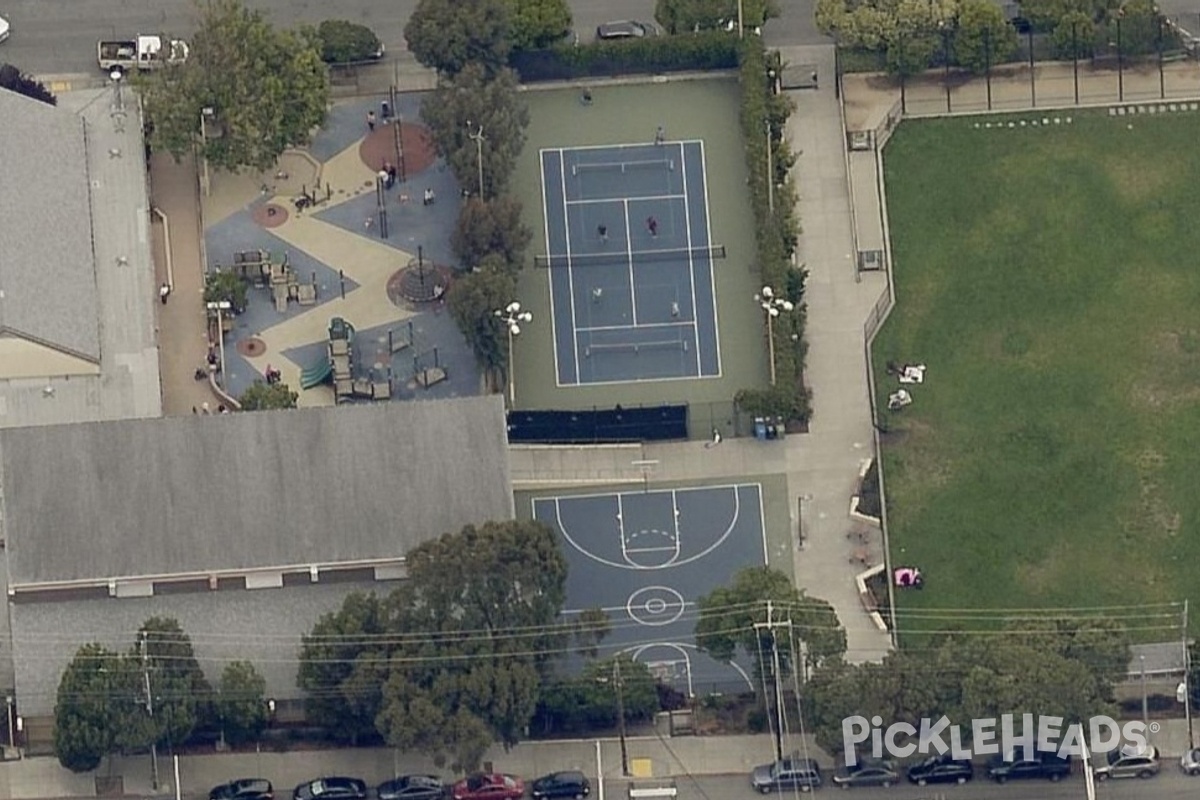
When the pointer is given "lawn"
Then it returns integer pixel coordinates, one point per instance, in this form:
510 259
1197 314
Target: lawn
1050 279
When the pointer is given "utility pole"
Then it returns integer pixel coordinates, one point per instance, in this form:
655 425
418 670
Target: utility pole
143 639
770 625
619 685
1187 676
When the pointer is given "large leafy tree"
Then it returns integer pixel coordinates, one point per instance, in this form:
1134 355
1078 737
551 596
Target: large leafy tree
241 705
982 36
342 664
473 299
538 24
181 694
262 396
491 227
449 35
265 89
685 16
14 80
588 702
84 730
732 619
487 601
474 104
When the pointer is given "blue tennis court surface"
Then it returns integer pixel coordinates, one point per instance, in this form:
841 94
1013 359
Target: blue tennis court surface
631 263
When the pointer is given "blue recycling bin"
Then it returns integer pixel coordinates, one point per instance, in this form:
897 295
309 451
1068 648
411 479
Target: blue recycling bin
760 428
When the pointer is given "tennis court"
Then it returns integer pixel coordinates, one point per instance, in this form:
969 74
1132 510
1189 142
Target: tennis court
630 257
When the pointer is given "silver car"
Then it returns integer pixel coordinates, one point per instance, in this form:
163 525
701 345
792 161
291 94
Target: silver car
1129 762
1190 763
5 29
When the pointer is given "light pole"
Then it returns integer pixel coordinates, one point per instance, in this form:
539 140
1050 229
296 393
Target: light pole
770 172
512 316
221 306
772 305
206 113
479 139
741 31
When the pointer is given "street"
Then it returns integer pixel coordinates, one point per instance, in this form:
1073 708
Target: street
1171 783
58 37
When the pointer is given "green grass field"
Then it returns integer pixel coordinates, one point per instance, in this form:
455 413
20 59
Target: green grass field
1050 280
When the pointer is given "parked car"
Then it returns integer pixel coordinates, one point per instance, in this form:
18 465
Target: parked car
867 773
626 29
571 783
5 29
244 789
787 775
1129 762
1190 763
1049 766
412 787
331 788
492 786
940 769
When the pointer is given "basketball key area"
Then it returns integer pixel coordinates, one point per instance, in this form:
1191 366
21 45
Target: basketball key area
631 258
646 557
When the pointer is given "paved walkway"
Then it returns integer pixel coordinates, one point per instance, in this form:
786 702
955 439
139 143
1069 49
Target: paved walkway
182 322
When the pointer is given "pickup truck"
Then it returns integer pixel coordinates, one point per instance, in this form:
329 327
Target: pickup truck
140 53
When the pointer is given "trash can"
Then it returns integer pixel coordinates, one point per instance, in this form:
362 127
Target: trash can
760 428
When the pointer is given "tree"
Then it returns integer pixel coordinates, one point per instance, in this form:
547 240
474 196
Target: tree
473 299
538 24
1075 36
180 692
240 702
266 90
342 665
262 396
685 16
487 600
588 703
473 102
83 718
14 80
1141 27
226 286
449 35
982 37
591 628
729 614
345 42
492 226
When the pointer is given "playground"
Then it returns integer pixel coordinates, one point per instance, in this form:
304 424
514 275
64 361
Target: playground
345 276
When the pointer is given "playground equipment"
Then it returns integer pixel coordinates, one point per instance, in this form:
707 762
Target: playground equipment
338 367
261 269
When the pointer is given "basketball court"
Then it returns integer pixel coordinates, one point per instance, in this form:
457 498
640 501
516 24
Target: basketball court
646 557
631 258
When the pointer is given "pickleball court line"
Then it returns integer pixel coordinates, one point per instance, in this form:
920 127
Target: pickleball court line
712 279
687 219
562 175
546 229
601 200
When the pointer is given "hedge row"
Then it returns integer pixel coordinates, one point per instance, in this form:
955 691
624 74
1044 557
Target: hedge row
702 51
776 232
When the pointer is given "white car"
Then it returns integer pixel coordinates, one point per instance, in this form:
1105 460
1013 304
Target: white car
5 29
1190 763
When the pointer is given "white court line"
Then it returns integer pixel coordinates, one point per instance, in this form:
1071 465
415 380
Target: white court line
620 522
687 660
687 221
675 512
597 201
651 549
762 516
643 326
629 251
625 146
553 318
712 280
562 163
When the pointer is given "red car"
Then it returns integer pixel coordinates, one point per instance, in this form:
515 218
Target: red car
489 787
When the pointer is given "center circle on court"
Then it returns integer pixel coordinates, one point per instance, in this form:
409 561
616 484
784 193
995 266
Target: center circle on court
655 606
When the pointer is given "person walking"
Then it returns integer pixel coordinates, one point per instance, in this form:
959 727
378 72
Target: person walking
602 232
660 135
393 173
370 121
164 292
652 226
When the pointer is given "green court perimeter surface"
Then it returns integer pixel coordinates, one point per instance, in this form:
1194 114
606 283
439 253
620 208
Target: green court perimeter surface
707 110
1049 278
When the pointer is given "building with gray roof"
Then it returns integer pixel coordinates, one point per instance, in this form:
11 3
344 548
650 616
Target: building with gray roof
77 280
229 522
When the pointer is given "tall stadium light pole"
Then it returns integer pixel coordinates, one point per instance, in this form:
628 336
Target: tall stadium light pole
770 171
220 307
771 306
206 113
513 317
741 21
479 139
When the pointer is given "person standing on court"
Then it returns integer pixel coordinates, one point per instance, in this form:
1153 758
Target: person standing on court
370 120
602 232
652 226
660 135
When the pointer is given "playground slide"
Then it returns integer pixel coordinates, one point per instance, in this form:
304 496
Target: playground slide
316 374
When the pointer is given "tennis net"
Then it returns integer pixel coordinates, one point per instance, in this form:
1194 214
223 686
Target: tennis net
637 256
647 165
635 347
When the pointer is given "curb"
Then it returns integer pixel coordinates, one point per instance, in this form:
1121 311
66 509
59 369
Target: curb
71 82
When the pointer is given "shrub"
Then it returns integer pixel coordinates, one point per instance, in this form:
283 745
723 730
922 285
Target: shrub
703 51
344 42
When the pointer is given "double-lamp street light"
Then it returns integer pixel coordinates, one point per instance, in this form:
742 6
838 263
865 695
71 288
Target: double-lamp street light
772 306
512 316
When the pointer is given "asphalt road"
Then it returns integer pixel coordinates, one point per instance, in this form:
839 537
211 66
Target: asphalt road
52 37
1171 784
